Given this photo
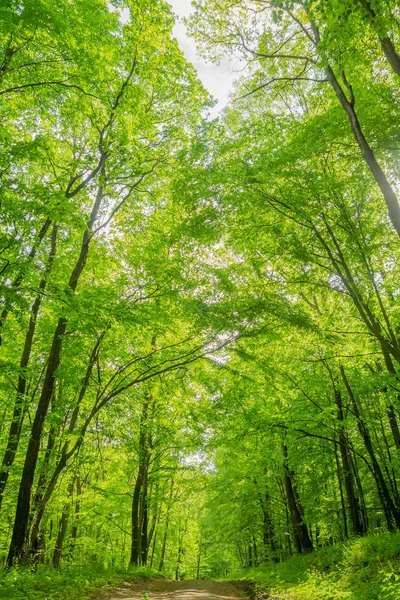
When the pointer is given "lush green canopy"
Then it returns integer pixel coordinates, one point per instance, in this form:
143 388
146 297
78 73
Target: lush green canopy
200 355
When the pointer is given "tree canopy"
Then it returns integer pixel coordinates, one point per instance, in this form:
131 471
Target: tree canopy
199 329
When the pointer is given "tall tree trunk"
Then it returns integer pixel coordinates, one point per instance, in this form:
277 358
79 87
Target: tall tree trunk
352 500
255 552
74 530
198 564
18 541
342 502
392 514
268 527
62 527
386 43
165 536
363 507
181 552
301 537
20 277
145 524
153 549
66 454
368 154
40 487
14 433
138 499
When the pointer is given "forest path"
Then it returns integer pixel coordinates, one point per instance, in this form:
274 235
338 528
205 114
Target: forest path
165 589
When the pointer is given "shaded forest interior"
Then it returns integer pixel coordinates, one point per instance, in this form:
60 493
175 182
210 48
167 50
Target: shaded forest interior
200 317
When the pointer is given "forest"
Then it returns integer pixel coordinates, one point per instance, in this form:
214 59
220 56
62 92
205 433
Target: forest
200 315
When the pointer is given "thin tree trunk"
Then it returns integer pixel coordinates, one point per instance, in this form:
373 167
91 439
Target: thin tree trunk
153 548
165 536
347 104
386 43
14 433
198 564
145 523
139 489
392 514
40 487
339 477
62 528
255 552
301 537
65 453
18 280
352 500
18 541
74 530
363 507
181 551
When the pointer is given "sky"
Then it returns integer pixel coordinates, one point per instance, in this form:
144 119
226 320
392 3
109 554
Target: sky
217 79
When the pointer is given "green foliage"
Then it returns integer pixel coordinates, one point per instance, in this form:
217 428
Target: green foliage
362 569
200 364
73 583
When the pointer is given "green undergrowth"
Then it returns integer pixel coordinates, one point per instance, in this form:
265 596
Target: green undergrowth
363 569
71 583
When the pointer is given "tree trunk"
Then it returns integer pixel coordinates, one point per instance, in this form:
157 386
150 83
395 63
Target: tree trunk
74 530
165 536
301 537
14 433
392 514
181 551
386 43
388 192
352 500
20 276
39 491
62 528
145 523
268 527
139 492
342 502
18 541
66 454
198 564
363 507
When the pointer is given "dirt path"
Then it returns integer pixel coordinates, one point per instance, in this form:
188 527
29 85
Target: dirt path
165 589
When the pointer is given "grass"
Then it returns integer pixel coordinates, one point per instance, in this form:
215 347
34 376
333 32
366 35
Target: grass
72 583
363 569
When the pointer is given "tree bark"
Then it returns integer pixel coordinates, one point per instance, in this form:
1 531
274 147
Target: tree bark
165 536
301 537
342 502
392 514
352 500
386 43
347 104
18 280
62 528
17 549
139 491
14 433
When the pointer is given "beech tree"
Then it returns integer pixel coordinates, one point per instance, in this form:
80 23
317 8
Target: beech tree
200 351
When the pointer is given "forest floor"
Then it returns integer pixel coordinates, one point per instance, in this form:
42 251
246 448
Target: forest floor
165 589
